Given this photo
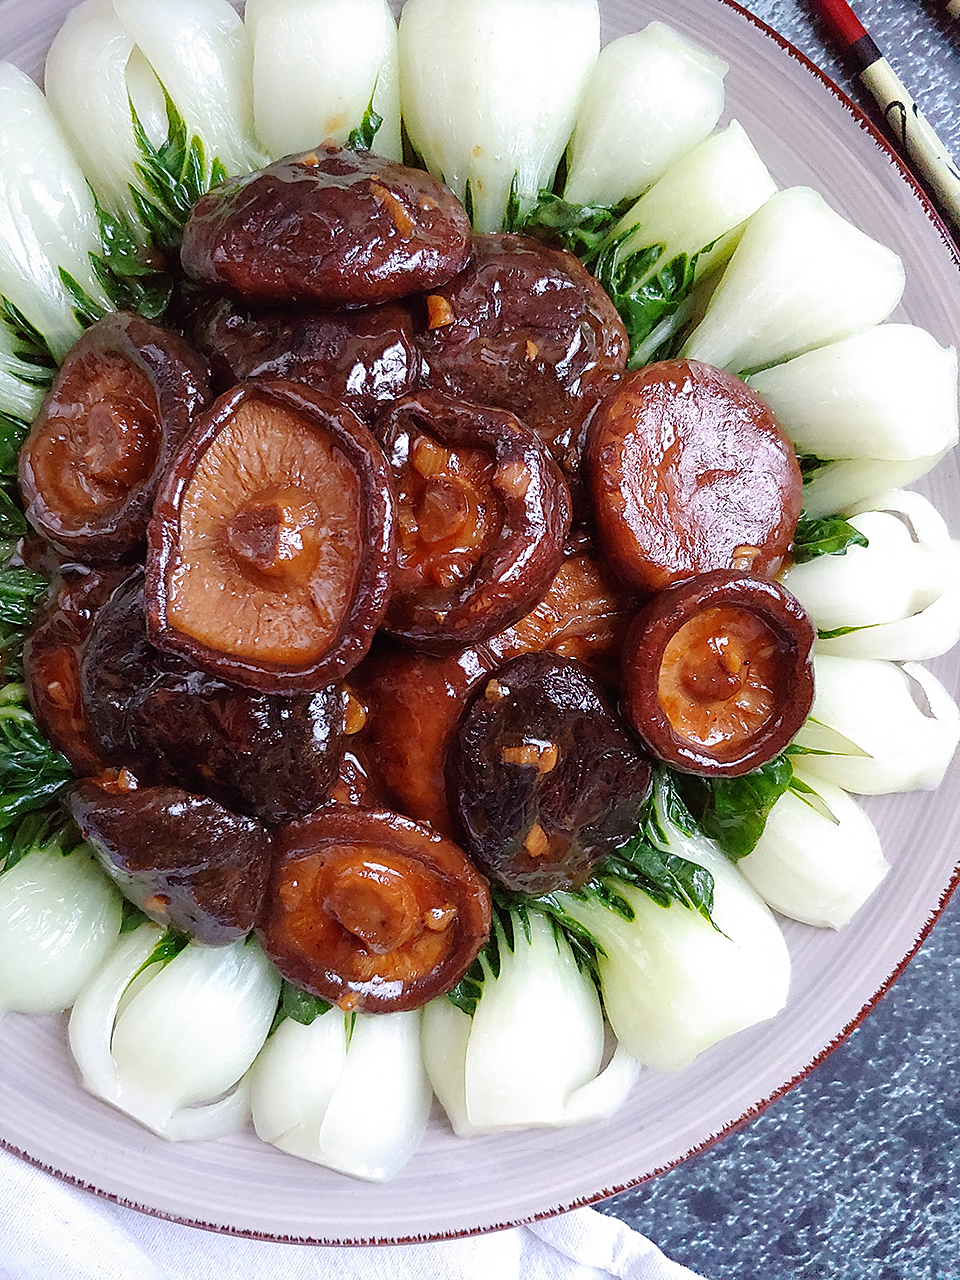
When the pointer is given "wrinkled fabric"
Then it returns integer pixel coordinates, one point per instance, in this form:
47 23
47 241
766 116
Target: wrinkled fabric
49 1229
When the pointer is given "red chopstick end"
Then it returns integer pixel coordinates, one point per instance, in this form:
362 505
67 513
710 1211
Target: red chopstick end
842 21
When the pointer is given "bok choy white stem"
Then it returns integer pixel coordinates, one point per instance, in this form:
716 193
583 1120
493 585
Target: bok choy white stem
198 50
686 225
317 66
531 1053
801 277
347 1091
490 90
869 734
819 858
21 387
652 97
86 86
889 392
48 220
673 984
59 920
169 1045
898 597
842 485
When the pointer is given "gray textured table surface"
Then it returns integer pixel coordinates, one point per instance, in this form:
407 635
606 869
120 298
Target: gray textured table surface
854 1174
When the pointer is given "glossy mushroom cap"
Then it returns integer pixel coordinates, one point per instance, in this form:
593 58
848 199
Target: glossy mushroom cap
272 756
183 859
371 911
120 406
717 674
272 541
690 471
528 329
482 514
545 778
331 227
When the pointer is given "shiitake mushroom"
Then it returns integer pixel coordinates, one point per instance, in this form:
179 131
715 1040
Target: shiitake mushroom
116 413
51 661
272 541
371 911
482 514
689 472
186 861
717 675
272 756
528 329
414 700
545 778
332 227
363 358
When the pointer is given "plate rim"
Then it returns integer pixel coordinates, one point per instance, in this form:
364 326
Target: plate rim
868 126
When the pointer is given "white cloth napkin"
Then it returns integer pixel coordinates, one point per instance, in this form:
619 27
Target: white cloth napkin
52 1231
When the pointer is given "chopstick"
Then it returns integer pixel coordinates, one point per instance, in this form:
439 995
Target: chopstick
915 138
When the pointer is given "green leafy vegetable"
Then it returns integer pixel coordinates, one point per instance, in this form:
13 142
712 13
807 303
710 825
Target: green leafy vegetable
175 176
13 432
132 917
21 591
827 536
167 949
579 228
361 138
29 346
844 631
32 773
644 290
40 830
134 277
511 912
733 811
299 1005
811 465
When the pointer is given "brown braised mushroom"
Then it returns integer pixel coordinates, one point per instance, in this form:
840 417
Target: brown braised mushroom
118 410
482 514
545 777
689 472
362 358
51 663
183 859
415 700
526 328
271 544
330 227
372 912
717 676
270 755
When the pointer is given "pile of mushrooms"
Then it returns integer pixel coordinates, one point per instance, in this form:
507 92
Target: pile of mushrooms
402 584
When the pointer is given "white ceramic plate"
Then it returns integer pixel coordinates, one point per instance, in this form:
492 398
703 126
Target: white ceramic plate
807 133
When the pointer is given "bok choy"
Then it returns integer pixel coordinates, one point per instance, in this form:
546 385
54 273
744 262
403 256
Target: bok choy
801 277
530 1052
867 732
48 219
318 66
347 1091
895 597
819 857
166 1030
59 920
651 98
686 225
673 982
490 90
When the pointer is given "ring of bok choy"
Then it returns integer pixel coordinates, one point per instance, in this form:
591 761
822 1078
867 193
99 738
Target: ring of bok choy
703 259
